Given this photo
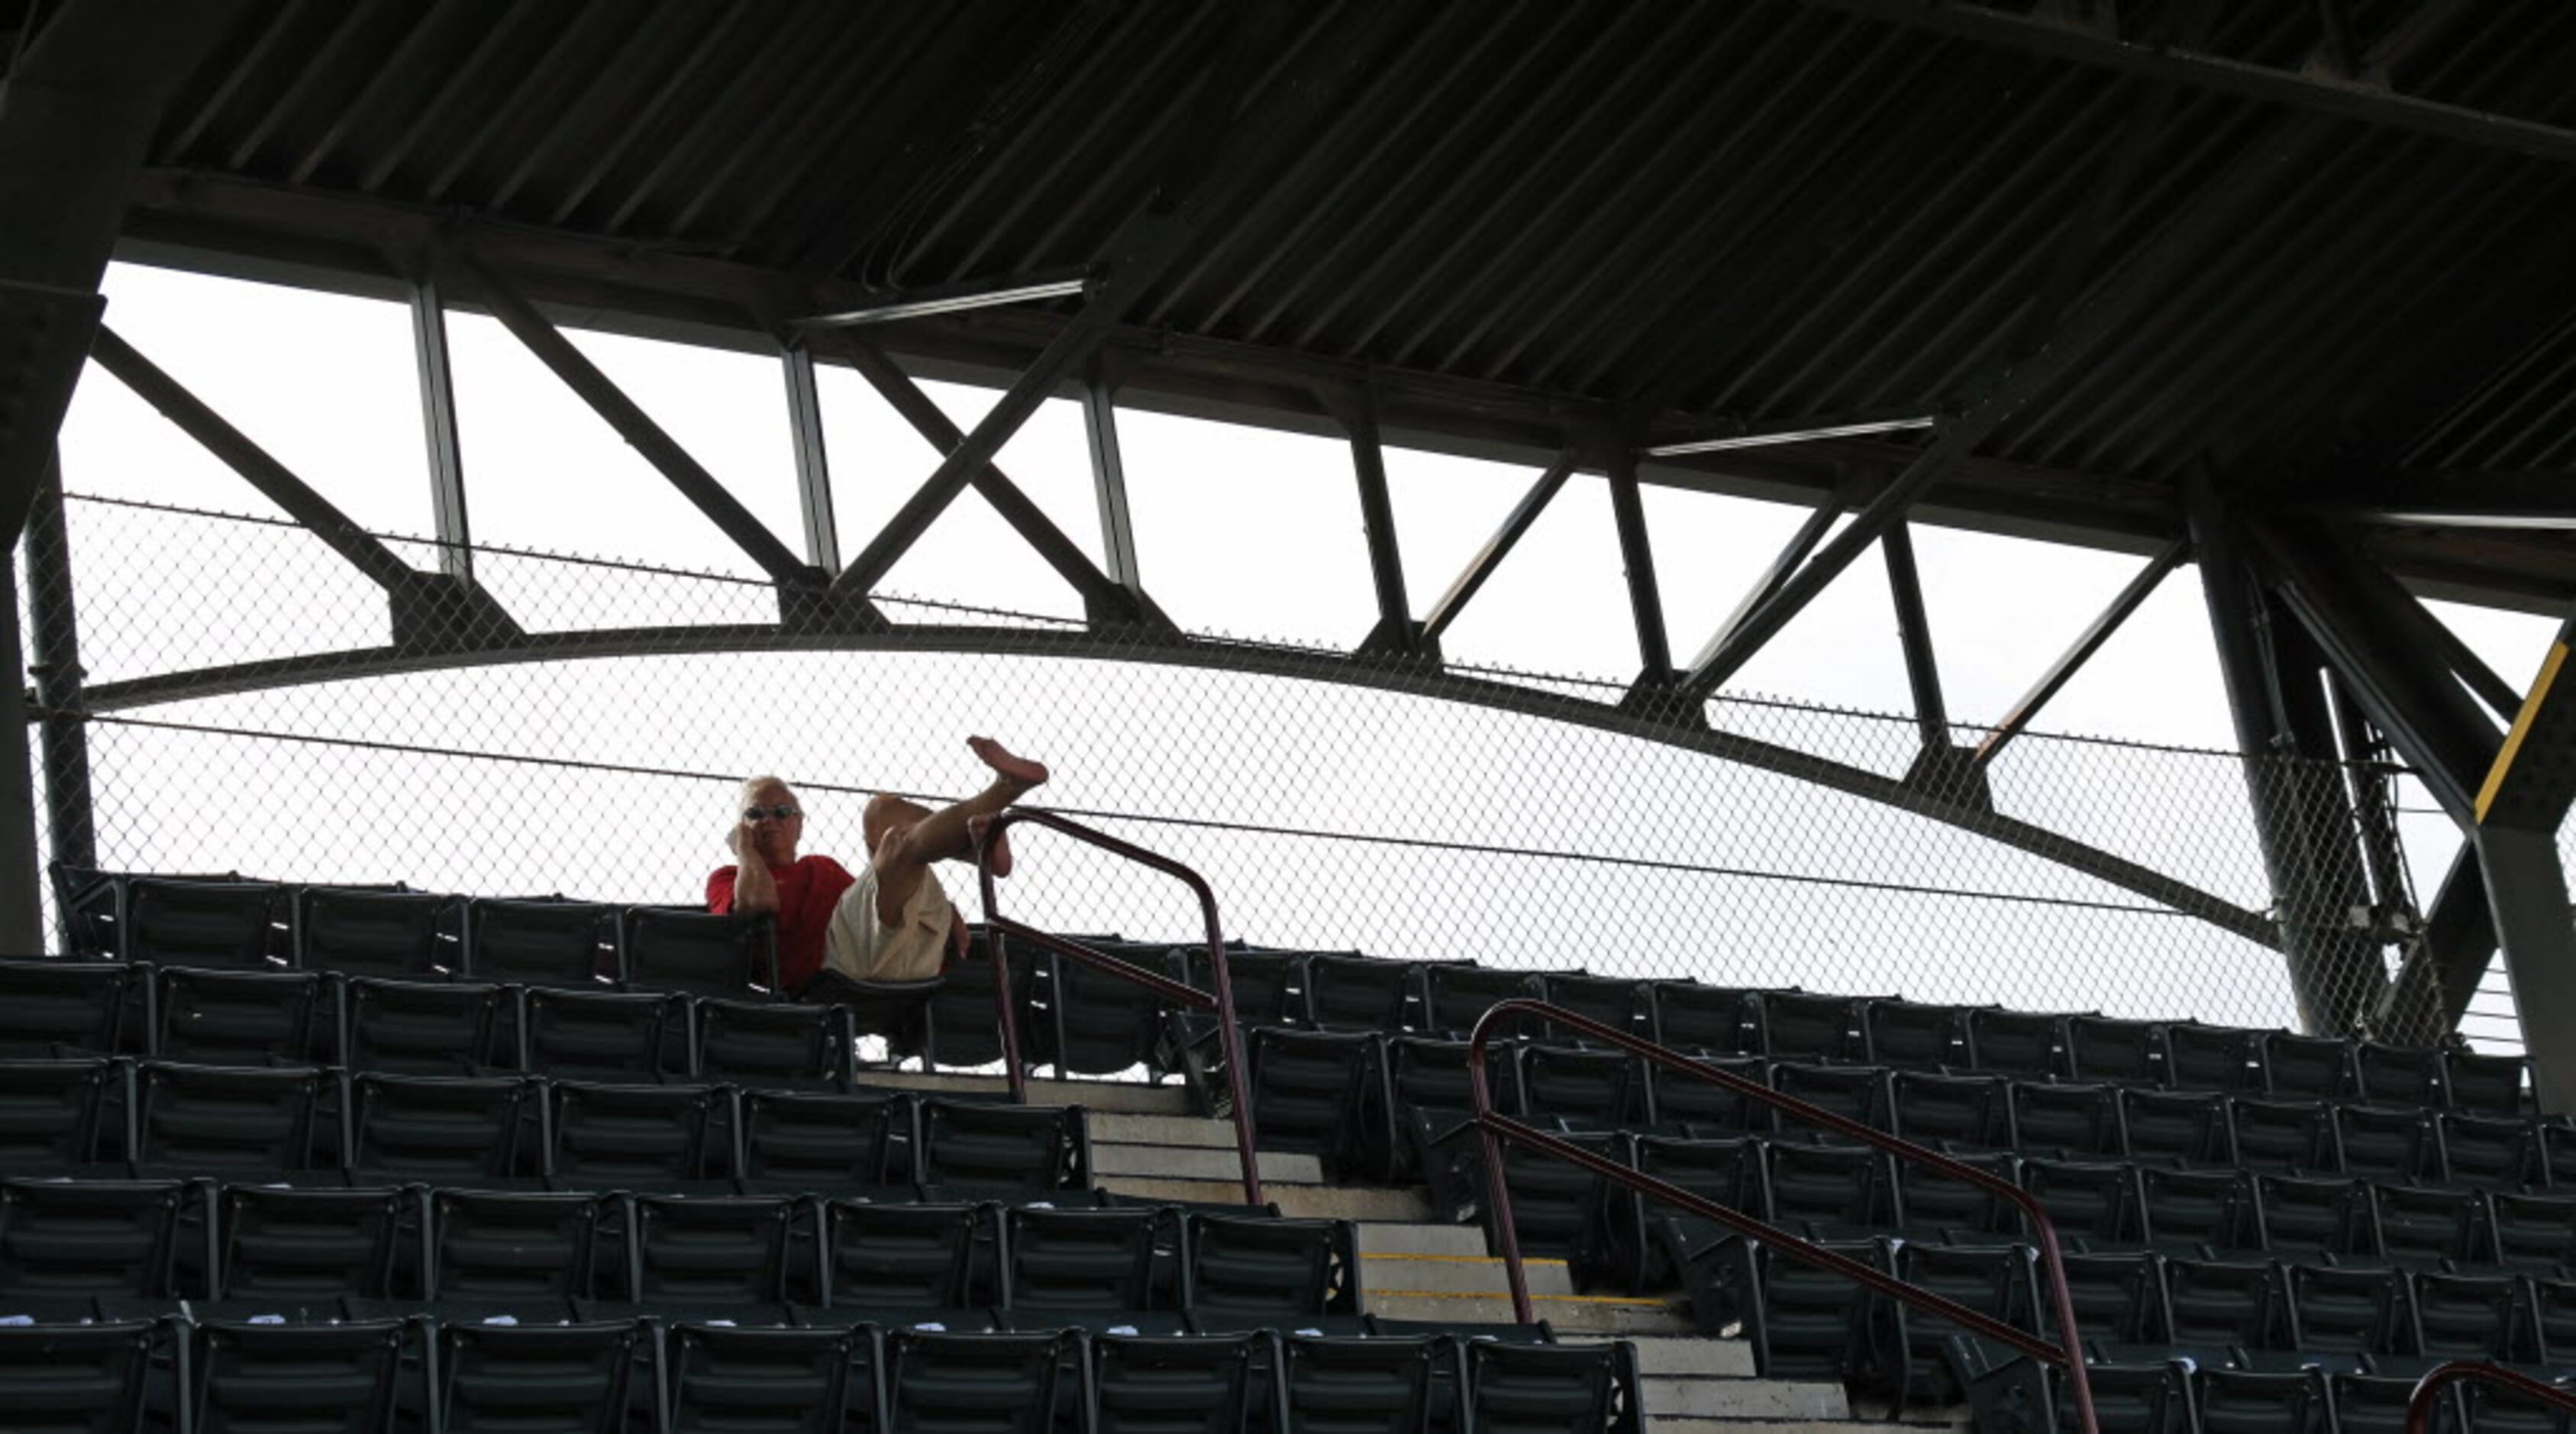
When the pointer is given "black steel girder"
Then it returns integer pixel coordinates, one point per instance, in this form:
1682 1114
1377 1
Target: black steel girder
2080 651
1507 535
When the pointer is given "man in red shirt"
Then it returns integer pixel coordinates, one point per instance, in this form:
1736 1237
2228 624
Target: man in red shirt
892 920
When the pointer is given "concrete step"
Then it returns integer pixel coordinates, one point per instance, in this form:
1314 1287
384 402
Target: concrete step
1192 1162
1681 1424
1389 1237
1569 1314
1459 1275
1127 1128
1743 1399
1311 1202
1127 1097
1687 1356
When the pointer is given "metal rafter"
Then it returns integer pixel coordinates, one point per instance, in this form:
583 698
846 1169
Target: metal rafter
1395 630
448 507
1914 635
2080 651
633 424
1109 479
2369 101
1637 557
813 466
1515 526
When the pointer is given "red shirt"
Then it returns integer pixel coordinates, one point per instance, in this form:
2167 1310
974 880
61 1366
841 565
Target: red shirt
807 892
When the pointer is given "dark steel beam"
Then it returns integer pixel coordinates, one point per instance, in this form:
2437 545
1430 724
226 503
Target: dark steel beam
813 466
1791 554
2380 643
1395 630
2367 765
2532 781
2367 101
1515 526
1109 480
2465 664
63 741
438 426
2527 893
2537 499
1914 636
317 513
659 448
2080 651
1102 598
2436 981
1637 555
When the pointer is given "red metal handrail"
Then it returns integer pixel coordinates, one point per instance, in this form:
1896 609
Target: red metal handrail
2419 1406
1493 1129
1222 1002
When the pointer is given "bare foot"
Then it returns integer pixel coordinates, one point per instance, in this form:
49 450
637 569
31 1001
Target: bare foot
1019 772
1001 844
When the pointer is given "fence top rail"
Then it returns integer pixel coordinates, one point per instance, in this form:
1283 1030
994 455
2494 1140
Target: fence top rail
2069 1354
2419 1406
1229 1035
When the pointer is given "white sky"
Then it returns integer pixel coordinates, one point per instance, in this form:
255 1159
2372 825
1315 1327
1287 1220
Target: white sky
1241 531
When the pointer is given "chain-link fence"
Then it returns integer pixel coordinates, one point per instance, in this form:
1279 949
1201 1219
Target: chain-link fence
248 697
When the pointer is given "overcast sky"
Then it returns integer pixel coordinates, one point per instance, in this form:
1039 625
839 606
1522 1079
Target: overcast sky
1241 531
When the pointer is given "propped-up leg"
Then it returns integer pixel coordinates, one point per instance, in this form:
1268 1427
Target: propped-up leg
904 838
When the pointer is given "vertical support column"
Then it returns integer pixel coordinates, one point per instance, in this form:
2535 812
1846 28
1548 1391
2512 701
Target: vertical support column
1396 631
438 427
2527 891
1914 634
1637 555
22 930
63 740
1109 479
813 468
2327 966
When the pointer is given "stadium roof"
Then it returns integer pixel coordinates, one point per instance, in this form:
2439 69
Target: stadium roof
2320 252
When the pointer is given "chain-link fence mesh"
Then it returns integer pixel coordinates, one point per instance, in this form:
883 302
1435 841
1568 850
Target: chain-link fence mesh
248 699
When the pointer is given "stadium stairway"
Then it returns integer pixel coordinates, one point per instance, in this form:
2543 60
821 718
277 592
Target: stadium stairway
1147 1141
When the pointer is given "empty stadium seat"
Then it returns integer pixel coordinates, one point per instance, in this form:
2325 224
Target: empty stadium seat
1450 999
246 1017
2119 1299
1690 1017
2229 1401
1913 1034
1796 1026
775 1044
1551 1389
703 1254
316 1378
999 1150
1953 1209
1727 1172
2312 1219
2216 1307
196 1120
79 1378
2176 1127
2387 1143
539 943
515 1248
906 1256
2291 1136
1096 1023
1084 1261
2472 1317
2092 1204
1805 1322
2534 1234
2396 1075
403 935
1333 1385
1559 1209
958 1026
435 1128
595 1034
1001 1383
306 1247
50 1008
2220 1058
697 953
2069 1122
2342 1315
1950 1110
418 1027
2014 1043
1856 1093
199 923
2430 1228
50 1111
810 1140
2307 1067
81 1240
1614 1001
1245 1272
1583 1086
720 1379
1993 1280
1144 1385
1706 1106
2498 1152
502 1379
2486 1085
1829 1191
2103 1048
612 1135
1307 1090
2200 1211
1357 993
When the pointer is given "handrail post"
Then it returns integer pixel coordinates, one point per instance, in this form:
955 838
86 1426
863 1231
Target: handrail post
1229 1038
2419 1405
2068 1353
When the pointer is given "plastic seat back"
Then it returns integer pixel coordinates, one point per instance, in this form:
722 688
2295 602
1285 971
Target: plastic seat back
1961 1210
2220 1058
200 923
1357 993
2535 1234
1797 1026
1962 1110
1994 1280
1334 1385
2307 1067
1143 1385
2289 1402
78 1378
2284 1135
2428 1228
1914 1034
1001 1383
958 1025
70 1007
206 1119
88 1238
1098 1024
311 1378
418 1027
49 1112
511 1247
502 1379
2200 1208
614 1135
768 1041
2351 1311
2471 1317
2215 1304
2104 1048
2119 1298
2396 1075
1450 999
1551 1389
697 953
1856 1093
2098 1203
538 943
2307 1219
1309 1089
1082 1261
1690 1017
2486 1085
2387 1143
403 935
712 1252
822 1141
2014 1043
1614 1001
1584 1086
1829 1191
2075 1122
1706 1106
1246 1272
1003 1150
435 1128
2189 1128
306 1247
247 1017
2491 1151
726 1380
595 1034
906 1256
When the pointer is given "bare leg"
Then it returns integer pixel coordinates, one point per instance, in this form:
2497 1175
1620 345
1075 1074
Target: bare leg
904 845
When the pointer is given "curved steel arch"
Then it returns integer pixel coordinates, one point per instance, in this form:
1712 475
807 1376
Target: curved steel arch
1411 677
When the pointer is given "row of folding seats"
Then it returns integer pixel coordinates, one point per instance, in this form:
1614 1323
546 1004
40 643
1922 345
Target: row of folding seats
412 935
1330 992
312 1123
87 1249
462 1376
2137 1309
424 1028
1838 1191
2170 1397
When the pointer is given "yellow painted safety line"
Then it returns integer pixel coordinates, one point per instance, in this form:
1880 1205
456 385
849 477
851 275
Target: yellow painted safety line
2522 721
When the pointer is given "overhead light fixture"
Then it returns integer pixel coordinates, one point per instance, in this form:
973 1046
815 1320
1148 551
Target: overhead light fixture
1765 438
954 299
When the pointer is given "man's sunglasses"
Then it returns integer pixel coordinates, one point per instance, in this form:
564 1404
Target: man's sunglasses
782 811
